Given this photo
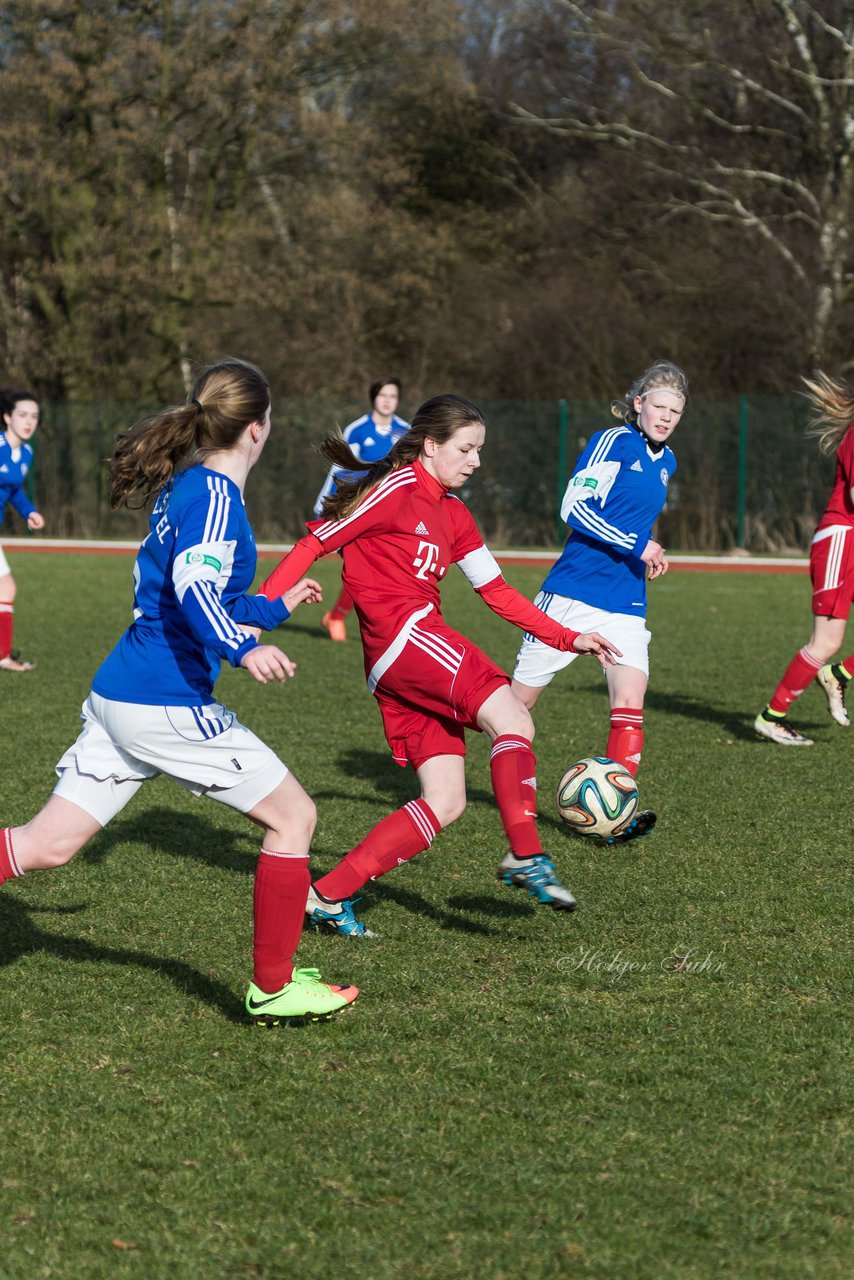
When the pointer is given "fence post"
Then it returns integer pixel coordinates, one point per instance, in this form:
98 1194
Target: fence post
562 456
741 520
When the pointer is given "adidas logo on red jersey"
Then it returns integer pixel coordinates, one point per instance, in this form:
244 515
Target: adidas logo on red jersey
422 530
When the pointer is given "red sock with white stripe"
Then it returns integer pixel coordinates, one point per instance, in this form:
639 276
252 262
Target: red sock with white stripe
342 605
8 865
625 741
281 889
7 620
396 839
798 674
513 766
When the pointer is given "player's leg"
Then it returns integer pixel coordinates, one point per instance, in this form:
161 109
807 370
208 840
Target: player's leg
278 991
831 570
50 839
392 842
513 767
9 660
334 621
626 691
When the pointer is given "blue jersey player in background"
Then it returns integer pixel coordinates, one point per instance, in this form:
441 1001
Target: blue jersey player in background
152 710
369 438
20 419
613 499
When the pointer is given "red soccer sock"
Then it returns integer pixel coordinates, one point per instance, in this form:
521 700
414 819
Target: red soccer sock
7 619
513 766
342 605
625 741
395 840
800 671
8 865
281 888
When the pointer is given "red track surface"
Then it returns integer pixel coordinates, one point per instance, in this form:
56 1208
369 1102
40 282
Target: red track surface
688 564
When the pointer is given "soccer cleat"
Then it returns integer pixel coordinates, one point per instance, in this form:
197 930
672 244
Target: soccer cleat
304 999
336 627
14 662
537 876
641 825
780 731
834 688
335 917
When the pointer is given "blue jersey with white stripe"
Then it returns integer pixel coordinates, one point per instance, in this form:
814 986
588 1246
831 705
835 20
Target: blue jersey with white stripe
191 576
14 465
369 442
613 499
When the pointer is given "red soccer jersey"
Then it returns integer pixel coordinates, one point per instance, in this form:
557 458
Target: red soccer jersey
840 509
398 545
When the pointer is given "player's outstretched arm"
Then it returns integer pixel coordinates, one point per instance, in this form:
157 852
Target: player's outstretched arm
265 662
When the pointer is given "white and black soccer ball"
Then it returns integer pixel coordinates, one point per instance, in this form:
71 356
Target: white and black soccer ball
597 797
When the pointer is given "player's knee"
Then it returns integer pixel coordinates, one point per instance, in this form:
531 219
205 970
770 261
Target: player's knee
447 808
55 854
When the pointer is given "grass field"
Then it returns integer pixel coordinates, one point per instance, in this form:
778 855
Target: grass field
654 1088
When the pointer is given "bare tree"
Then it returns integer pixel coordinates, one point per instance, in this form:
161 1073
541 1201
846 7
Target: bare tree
735 114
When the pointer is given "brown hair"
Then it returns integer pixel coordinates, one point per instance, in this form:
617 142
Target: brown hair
833 410
226 397
662 373
437 419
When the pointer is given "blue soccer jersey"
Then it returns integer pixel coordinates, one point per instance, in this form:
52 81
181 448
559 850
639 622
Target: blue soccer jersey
369 442
613 499
191 576
14 465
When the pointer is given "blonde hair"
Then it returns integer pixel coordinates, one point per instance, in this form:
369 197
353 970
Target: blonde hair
226 397
662 373
832 410
437 419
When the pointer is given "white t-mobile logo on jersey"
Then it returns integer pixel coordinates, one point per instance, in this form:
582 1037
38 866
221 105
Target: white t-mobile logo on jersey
426 559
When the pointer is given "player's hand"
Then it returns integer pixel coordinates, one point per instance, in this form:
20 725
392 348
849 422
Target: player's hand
655 559
307 591
35 521
598 646
265 662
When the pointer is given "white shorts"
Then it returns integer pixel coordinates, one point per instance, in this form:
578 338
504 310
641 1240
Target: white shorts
4 564
206 749
538 663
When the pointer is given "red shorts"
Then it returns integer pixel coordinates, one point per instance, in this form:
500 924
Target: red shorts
433 691
832 571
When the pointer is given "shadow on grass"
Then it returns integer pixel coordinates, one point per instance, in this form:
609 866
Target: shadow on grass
182 835
737 724
416 905
20 935
398 785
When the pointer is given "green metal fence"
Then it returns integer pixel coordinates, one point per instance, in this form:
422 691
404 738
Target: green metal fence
748 475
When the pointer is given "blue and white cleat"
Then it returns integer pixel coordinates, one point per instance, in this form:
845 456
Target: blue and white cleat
335 917
537 876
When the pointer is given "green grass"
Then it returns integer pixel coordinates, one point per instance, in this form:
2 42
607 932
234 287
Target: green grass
517 1093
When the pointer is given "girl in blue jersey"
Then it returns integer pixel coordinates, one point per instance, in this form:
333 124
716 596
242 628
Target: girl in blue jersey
152 710
611 503
370 438
20 419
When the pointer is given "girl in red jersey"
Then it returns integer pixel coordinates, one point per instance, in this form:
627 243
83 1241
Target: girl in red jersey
832 573
400 528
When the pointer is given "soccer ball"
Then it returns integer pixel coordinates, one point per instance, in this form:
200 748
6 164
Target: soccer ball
597 797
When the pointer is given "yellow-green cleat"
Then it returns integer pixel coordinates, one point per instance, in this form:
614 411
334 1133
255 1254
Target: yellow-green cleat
304 999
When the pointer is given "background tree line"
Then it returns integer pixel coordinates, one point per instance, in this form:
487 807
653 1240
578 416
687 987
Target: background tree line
506 197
